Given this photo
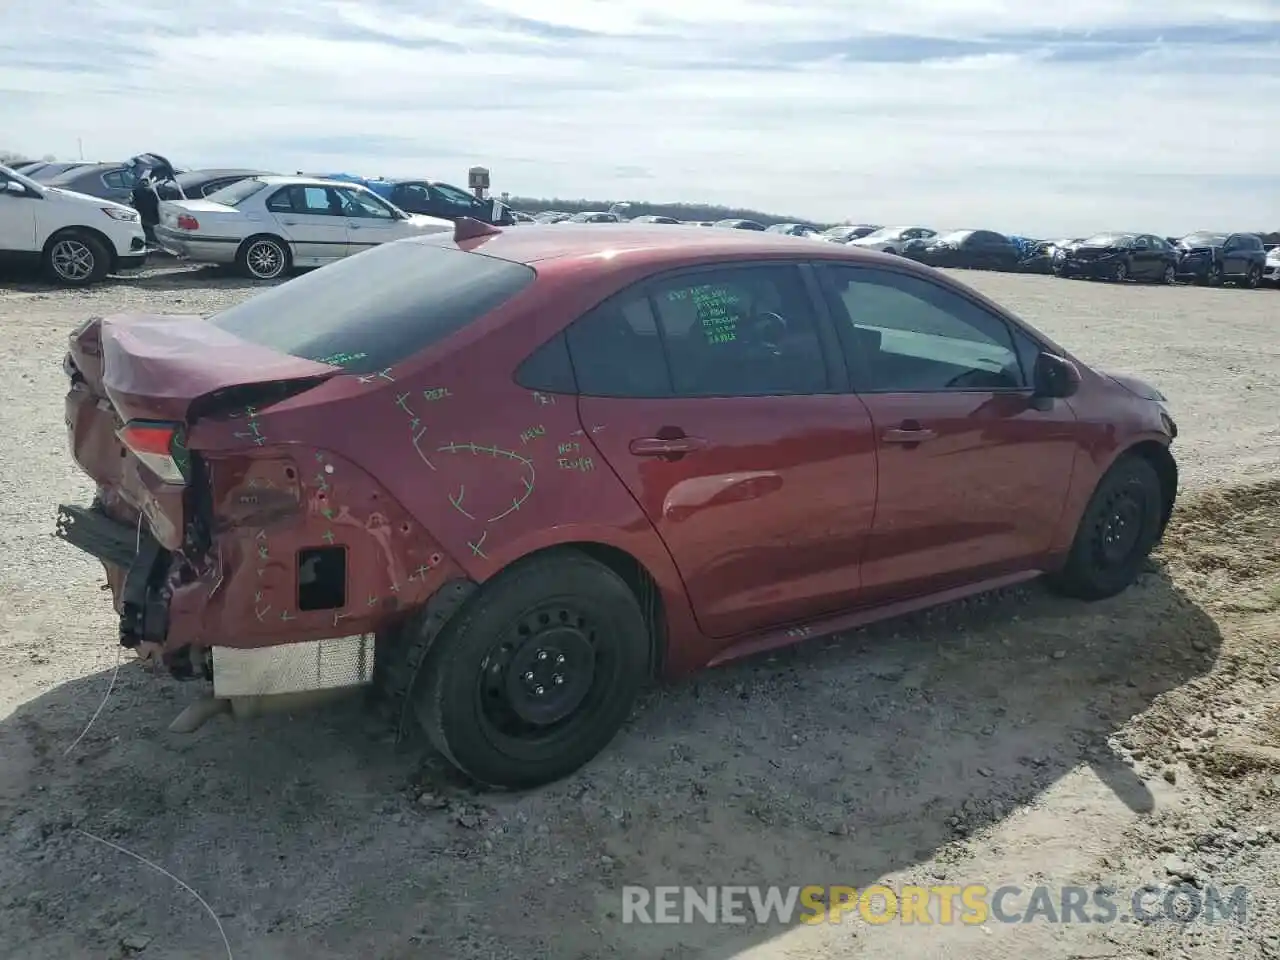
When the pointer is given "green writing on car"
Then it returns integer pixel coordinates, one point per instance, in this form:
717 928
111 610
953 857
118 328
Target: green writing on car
717 308
340 359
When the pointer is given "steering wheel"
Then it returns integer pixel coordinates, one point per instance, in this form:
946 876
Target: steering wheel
768 329
983 380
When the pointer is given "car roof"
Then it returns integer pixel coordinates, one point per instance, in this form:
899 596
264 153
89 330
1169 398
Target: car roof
650 244
276 179
91 168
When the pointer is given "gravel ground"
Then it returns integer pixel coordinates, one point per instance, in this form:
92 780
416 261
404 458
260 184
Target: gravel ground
1016 739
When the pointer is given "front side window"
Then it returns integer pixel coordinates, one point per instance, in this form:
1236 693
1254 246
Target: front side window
904 334
358 203
732 331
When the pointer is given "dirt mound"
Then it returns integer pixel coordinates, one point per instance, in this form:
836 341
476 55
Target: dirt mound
1223 547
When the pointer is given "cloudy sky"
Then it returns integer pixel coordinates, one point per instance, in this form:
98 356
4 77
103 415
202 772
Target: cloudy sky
1018 115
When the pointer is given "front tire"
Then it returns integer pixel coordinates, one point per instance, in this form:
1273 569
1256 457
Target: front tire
1253 278
76 259
1121 272
263 258
1120 527
536 674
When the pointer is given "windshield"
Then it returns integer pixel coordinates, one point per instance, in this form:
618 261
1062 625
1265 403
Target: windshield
370 311
237 193
884 233
1204 240
955 236
1108 240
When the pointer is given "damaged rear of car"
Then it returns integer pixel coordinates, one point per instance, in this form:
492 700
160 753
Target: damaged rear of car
226 516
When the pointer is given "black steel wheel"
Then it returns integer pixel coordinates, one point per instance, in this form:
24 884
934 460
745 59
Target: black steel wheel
1121 525
537 672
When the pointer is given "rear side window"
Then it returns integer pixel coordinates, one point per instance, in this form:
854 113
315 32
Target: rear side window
372 310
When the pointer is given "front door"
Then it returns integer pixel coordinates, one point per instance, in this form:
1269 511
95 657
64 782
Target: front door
369 221
1235 259
313 220
972 476
710 395
17 219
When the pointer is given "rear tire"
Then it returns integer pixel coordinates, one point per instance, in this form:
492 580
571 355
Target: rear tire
76 259
263 257
1120 527
1170 276
536 674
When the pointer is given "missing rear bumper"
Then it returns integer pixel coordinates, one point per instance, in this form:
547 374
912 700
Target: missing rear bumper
99 535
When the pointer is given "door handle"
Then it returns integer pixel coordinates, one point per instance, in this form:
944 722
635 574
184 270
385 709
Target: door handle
353 226
665 446
290 223
908 435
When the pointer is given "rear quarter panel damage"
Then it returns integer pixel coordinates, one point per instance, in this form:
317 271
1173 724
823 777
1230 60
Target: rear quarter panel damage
266 506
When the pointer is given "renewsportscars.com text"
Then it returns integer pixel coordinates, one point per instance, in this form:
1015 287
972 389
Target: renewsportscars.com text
970 904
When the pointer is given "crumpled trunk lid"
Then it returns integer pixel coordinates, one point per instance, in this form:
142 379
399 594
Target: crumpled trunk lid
165 368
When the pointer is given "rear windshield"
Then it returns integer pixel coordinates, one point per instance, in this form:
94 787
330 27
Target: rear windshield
234 194
375 309
1204 240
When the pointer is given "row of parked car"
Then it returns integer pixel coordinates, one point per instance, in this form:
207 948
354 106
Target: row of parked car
100 218
1204 257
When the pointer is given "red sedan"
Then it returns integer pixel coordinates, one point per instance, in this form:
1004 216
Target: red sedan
541 466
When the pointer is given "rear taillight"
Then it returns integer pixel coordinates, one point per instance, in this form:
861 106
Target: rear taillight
160 446
187 222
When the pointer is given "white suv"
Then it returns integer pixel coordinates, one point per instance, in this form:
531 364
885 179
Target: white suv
76 238
1271 271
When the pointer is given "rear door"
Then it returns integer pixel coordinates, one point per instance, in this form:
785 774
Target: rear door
313 219
716 396
972 477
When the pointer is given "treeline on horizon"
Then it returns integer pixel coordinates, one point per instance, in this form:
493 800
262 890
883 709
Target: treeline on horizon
703 211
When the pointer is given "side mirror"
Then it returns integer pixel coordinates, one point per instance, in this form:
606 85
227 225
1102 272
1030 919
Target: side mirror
1055 377
14 187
